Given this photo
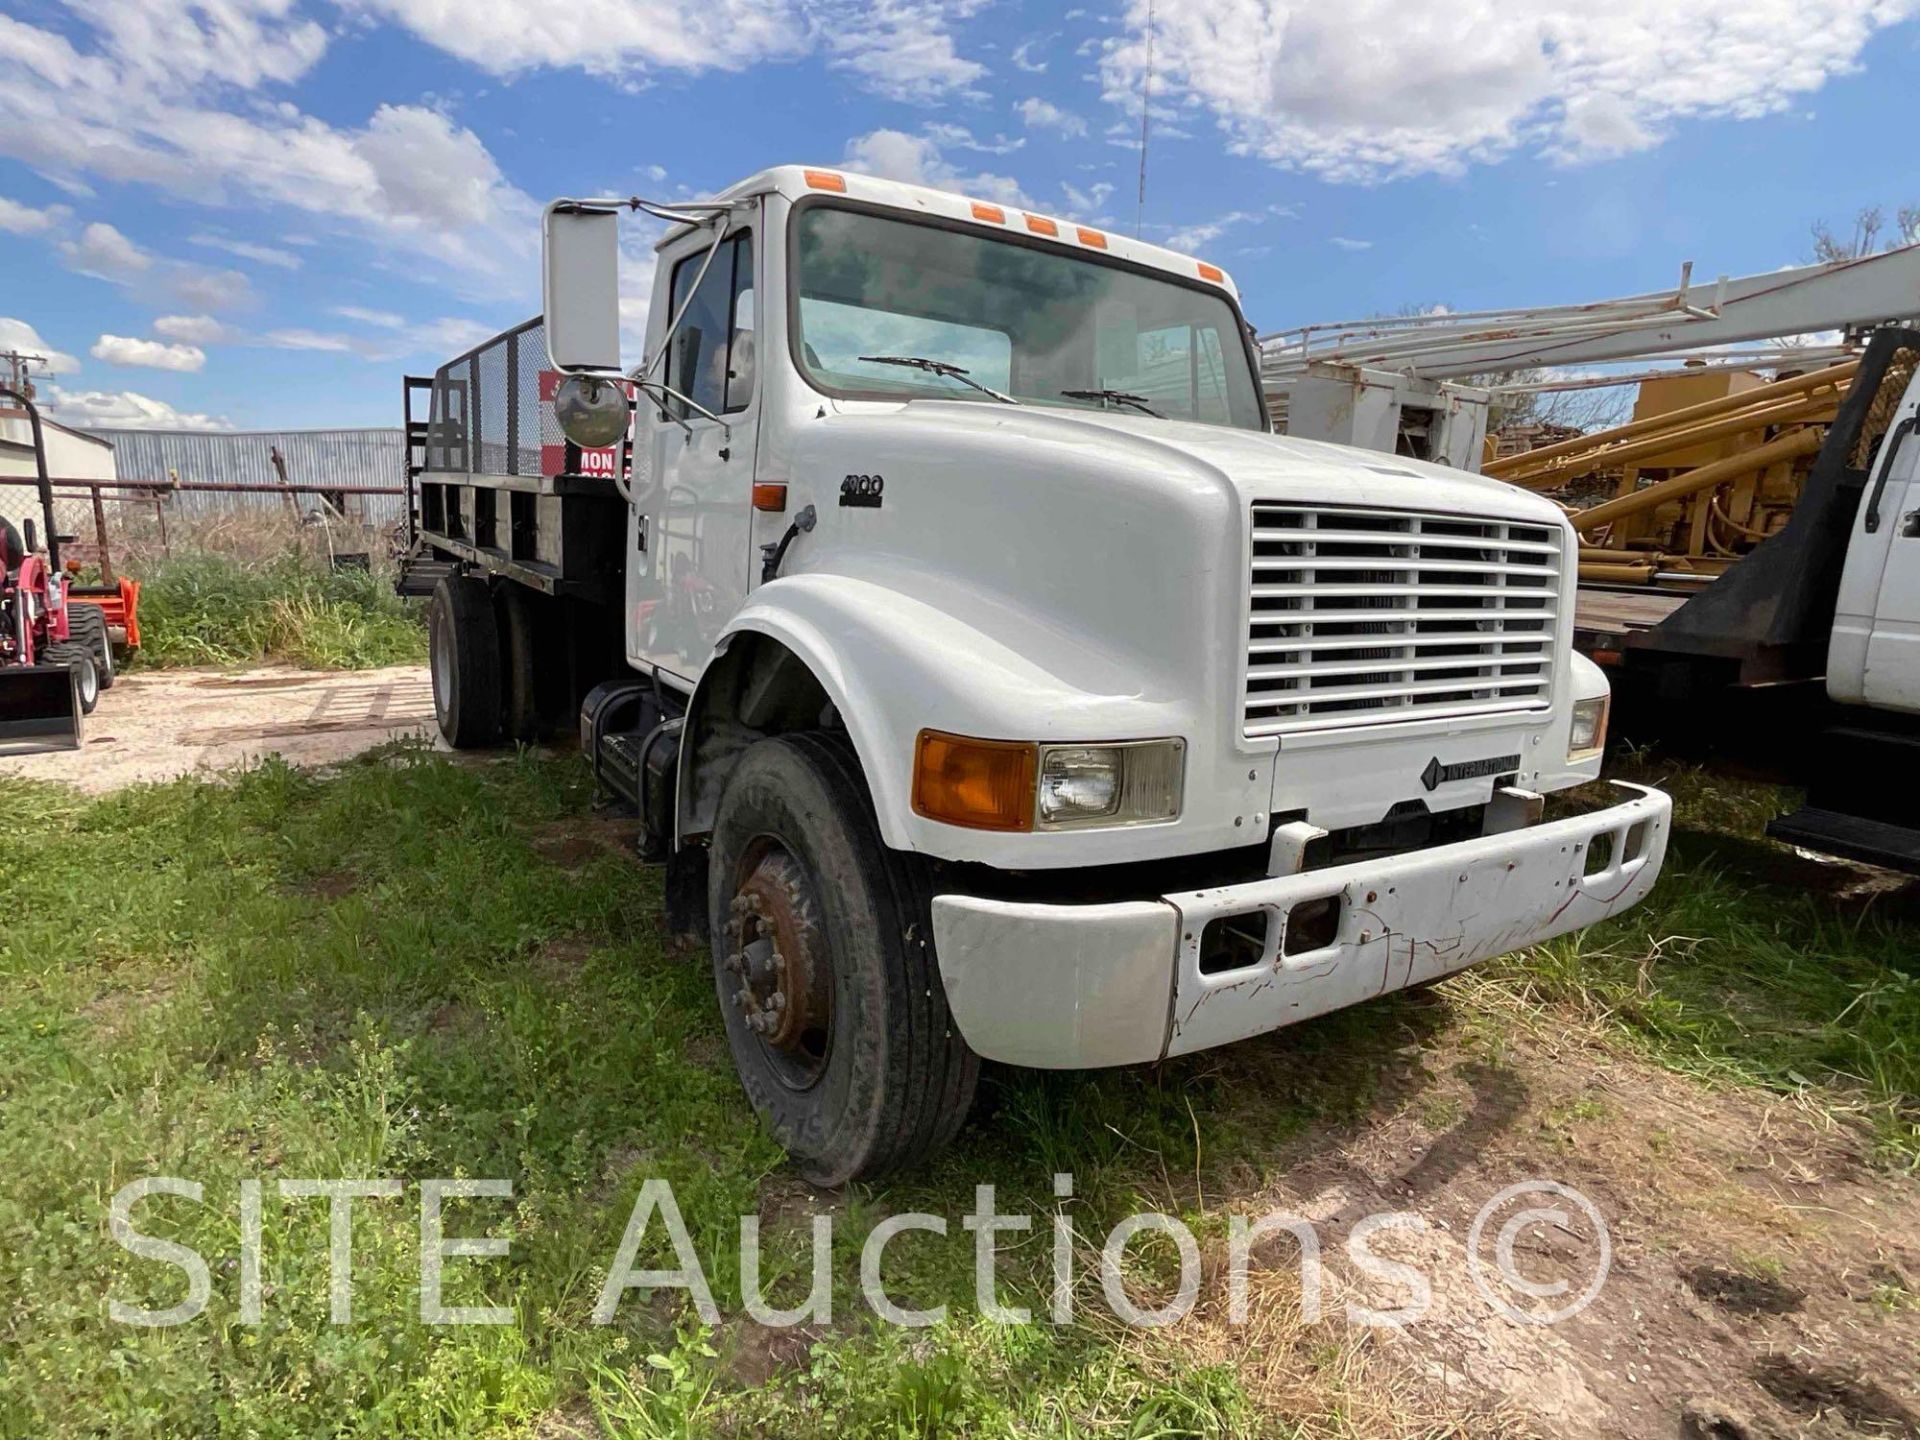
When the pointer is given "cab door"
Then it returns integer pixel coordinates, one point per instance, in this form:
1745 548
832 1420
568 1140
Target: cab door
693 486
1874 655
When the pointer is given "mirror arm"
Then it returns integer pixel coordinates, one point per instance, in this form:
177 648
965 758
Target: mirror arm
642 383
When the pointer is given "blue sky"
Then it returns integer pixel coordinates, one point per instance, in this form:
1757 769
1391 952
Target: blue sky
261 213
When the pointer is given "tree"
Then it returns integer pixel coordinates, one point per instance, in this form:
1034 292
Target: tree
1867 225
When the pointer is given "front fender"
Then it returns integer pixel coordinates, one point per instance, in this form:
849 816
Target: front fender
893 665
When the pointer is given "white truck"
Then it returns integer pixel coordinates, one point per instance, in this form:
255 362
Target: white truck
991 680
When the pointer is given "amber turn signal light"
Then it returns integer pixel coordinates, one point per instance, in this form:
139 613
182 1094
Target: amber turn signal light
770 495
981 784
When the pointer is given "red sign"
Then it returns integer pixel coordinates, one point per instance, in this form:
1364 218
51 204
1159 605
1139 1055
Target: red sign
603 462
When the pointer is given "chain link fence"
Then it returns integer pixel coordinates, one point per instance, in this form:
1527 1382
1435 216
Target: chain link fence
335 497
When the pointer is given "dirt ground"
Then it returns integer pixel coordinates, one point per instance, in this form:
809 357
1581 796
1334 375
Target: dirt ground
1763 1280
154 725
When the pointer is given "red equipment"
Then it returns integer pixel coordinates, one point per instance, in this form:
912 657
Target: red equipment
55 658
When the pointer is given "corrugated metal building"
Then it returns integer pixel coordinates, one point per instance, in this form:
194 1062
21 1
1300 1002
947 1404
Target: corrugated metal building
321 458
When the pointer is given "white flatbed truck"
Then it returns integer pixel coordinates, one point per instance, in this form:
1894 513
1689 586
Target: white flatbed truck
992 682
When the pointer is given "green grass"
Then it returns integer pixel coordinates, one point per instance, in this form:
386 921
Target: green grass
400 969
377 973
208 609
1753 965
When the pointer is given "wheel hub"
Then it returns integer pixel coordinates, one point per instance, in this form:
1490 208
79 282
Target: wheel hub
778 964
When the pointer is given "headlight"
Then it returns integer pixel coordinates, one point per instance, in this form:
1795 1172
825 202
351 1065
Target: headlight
1588 737
1135 784
1014 785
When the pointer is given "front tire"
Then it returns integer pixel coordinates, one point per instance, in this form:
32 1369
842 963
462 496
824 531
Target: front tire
823 961
76 657
463 651
88 624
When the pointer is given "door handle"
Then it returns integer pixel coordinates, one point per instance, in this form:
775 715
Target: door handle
1910 525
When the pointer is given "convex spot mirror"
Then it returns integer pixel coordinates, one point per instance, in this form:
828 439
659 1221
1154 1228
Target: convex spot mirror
591 410
580 287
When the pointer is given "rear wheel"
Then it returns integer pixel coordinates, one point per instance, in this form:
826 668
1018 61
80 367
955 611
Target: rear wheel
823 960
533 669
77 658
463 654
88 625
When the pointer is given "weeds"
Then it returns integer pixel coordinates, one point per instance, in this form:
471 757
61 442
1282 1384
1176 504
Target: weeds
208 609
1749 964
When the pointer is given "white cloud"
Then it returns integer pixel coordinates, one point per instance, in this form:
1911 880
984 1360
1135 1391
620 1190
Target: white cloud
621 38
1088 204
1045 115
1203 233
149 354
441 339
455 334
384 319
194 329
18 335
918 160
248 250
1023 55
1343 242
1374 89
18 219
208 289
168 95
958 137
427 169
902 49
301 339
124 409
106 254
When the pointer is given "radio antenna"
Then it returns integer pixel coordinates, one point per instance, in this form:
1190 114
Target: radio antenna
1146 112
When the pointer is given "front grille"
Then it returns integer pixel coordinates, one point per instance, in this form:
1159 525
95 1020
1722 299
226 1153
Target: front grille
1372 617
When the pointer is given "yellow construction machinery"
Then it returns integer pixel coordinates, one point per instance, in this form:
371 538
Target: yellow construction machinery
1690 485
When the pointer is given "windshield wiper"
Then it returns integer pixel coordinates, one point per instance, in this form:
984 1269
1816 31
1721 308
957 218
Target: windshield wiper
939 367
1117 397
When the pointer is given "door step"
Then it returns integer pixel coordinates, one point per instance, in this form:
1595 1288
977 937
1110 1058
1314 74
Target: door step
1855 837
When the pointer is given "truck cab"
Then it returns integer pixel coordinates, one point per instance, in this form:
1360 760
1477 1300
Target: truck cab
1856 804
992 681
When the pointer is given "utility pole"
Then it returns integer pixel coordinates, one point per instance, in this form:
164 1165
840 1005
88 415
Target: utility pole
17 377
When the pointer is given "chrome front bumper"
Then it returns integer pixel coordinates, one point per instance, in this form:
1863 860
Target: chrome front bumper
1065 987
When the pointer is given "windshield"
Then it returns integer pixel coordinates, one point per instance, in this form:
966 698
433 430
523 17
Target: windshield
1032 323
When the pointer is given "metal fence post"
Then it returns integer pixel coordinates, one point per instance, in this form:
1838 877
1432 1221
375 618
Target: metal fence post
100 536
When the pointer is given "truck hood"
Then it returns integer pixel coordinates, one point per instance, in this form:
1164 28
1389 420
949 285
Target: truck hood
1260 466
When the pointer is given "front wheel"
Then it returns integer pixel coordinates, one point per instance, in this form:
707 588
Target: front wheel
77 658
88 625
823 960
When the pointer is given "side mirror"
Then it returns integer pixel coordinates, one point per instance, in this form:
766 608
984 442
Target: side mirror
592 411
33 536
580 282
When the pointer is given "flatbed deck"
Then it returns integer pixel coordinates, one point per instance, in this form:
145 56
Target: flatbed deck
1605 619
